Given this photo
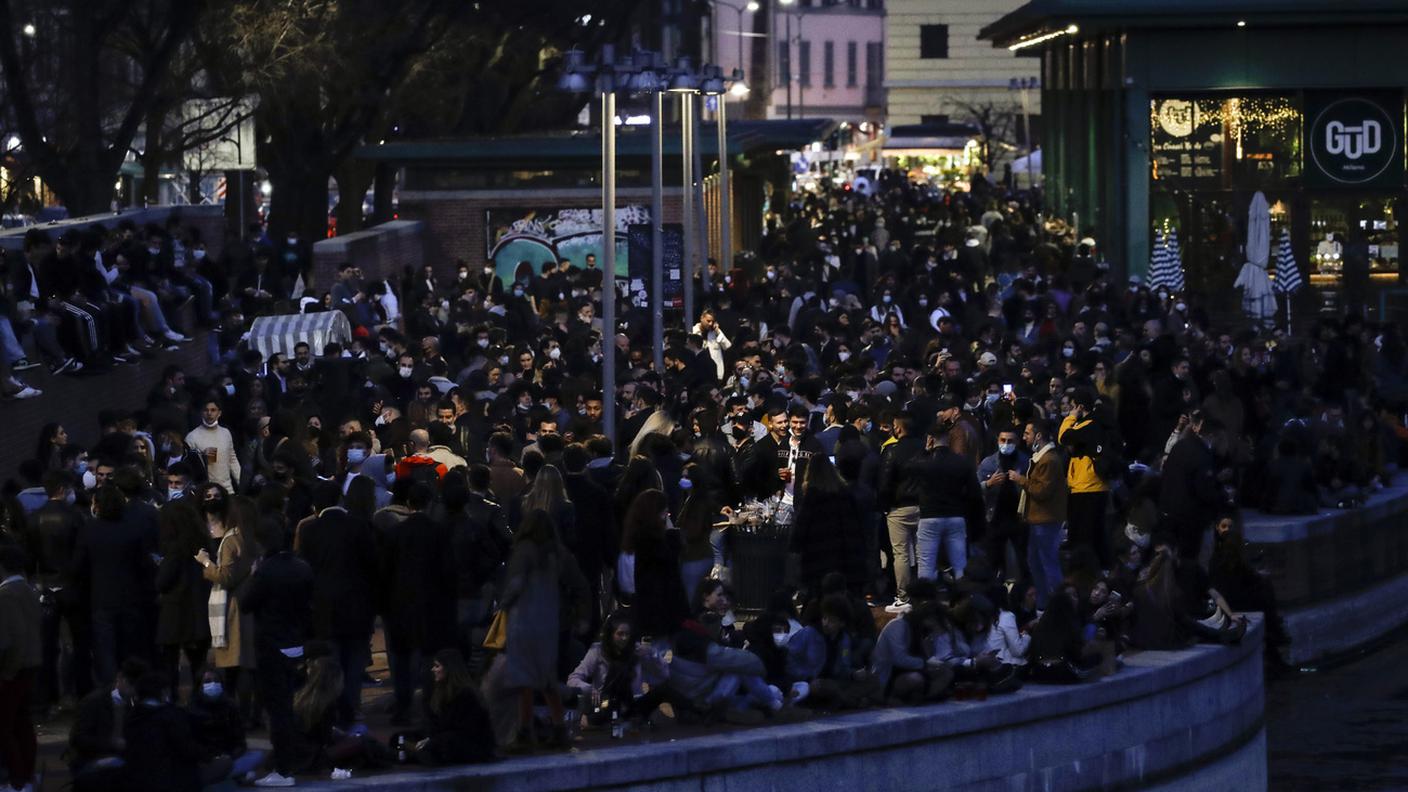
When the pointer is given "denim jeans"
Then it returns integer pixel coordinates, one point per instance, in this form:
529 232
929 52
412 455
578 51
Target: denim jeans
117 635
718 540
743 691
952 533
693 573
354 655
13 350
1044 559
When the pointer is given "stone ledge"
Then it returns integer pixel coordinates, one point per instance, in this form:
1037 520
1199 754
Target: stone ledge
1160 719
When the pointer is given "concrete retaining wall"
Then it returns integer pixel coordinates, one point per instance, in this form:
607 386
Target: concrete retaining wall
1334 570
208 220
1169 720
382 251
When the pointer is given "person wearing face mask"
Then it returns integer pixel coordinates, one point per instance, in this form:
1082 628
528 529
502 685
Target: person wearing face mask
215 442
97 739
216 724
1000 498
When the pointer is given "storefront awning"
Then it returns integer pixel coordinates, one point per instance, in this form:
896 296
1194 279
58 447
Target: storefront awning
929 140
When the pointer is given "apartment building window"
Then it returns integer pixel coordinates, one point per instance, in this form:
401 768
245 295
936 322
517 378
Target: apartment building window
874 64
784 63
851 65
804 63
828 64
933 41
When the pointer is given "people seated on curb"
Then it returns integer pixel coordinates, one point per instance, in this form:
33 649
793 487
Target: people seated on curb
719 681
619 674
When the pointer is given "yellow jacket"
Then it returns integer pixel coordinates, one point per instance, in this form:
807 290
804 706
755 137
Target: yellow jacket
1080 471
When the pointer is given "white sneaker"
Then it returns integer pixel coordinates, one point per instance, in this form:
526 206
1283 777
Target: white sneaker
777 699
27 393
275 780
172 335
898 606
340 774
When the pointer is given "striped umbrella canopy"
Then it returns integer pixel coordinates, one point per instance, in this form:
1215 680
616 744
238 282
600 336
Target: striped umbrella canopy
1166 268
1156 260
1288 278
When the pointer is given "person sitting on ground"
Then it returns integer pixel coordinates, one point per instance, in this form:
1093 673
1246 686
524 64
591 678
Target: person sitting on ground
825 655
96 741
325 746
1011 636
615 673
217 725
768 637
1162 615
713 605
1104 623
966 647
903 664
718 680
457 725
1057 653
162 753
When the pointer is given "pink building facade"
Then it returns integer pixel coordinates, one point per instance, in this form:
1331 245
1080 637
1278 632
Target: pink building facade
811 58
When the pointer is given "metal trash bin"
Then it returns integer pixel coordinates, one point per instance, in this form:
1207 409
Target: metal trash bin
759 555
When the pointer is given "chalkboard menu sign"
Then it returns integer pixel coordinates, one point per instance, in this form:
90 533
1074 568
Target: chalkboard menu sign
1186 141
638 241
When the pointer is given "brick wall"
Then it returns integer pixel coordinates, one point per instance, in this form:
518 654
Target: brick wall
208 220
75 401
382 251
455 220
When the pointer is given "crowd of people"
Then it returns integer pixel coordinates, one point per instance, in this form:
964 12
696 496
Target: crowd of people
987 462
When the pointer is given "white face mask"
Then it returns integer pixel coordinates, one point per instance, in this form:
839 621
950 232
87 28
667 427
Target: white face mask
198 254
174 493
843 356
555 353
212 689
503 360
211 423
482 343
1007 449
405 372
1067 352
780 639
229 389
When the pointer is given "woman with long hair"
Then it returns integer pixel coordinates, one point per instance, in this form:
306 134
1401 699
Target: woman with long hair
827 529
316 705
696 526
531 603
648 568
549 494
183 625
457 725
52 437
231 523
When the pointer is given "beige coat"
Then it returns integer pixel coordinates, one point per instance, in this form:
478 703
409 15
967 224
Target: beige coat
229 571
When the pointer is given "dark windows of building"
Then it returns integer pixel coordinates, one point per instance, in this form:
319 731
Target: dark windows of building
852 68
933 41
804 63
874 64
828 64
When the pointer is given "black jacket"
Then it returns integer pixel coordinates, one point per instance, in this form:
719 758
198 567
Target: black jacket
185 594
1189 491
461 734
55 526
898 487
481 541
112 562
595 542
162 751
420 576
279 595
341 550
950 488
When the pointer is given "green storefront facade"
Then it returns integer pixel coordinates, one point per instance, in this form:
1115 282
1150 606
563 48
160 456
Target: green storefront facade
1171 115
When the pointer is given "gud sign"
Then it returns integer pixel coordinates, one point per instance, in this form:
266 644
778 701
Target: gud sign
1355 141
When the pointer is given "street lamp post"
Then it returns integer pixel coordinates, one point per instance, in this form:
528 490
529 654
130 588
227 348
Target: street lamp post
1021 85
685 83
